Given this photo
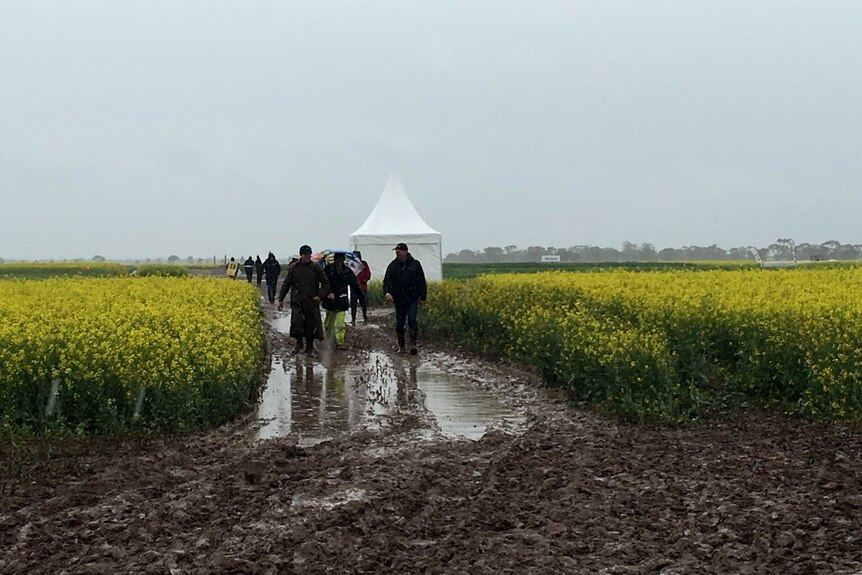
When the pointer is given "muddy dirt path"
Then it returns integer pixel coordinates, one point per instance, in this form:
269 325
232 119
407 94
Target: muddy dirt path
363 385
366 461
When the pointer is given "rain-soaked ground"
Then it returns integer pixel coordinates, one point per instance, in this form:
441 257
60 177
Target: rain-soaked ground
317 398
361 460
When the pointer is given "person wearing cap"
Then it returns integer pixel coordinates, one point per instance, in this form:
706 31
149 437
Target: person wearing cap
341 278
271 269
307 285
404 285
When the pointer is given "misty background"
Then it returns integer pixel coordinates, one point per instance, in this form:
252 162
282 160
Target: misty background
145 129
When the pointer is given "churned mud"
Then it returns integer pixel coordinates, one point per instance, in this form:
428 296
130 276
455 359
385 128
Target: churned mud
360 460
359 387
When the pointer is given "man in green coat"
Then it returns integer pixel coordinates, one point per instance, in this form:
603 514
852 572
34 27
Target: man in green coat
307 285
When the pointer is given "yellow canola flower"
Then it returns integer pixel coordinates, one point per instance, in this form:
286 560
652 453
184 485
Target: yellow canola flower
656 344
193 345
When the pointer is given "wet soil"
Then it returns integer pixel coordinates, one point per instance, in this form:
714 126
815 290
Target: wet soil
357 462
355 387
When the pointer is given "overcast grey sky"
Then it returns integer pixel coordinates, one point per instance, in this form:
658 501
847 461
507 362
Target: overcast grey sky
151 128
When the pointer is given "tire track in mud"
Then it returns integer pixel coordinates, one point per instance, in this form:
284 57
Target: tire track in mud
562 492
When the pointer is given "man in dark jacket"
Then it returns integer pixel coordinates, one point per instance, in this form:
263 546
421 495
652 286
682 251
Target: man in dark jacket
258 269
271 269
404 285
249 268
307 285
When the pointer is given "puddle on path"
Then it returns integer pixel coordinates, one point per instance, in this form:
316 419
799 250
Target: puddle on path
281 322
313 400
305 398
461 409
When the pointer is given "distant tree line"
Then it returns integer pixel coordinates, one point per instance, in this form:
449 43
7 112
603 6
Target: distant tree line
781 250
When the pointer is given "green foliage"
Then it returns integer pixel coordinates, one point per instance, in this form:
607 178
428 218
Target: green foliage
467 271
164 270
375 292
38 270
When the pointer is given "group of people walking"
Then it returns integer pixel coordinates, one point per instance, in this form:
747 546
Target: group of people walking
269 269
337 289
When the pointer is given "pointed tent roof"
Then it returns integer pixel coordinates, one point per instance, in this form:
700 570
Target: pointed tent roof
394 214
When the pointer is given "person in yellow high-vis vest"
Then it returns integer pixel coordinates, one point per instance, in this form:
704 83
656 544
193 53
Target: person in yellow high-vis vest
341 278
232 268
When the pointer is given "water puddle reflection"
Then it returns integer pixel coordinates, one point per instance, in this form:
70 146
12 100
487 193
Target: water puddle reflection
460 408
315 402
281 322
314 399
275 408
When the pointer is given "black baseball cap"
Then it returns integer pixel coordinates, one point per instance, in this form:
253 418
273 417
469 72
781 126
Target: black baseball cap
401 246
305 250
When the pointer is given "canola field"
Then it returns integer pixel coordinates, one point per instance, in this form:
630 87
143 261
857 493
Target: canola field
673 345
110 355
43 270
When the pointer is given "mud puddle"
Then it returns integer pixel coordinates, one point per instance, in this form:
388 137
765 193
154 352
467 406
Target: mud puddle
314 399
460 408
280 322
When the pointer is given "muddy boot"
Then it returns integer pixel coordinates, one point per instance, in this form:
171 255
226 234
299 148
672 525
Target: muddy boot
413 350
298 347
400 343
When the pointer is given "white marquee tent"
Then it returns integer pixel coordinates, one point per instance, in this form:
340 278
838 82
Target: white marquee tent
393 220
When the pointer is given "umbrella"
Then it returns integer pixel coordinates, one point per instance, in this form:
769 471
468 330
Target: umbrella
328 256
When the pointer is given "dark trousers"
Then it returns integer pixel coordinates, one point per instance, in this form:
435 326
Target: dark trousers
405 312
361 298
305 321
270 291
248 274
